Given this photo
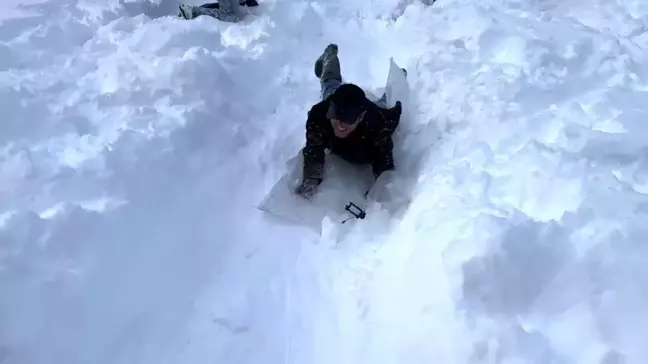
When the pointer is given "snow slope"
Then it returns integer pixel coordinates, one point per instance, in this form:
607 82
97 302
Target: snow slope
135 147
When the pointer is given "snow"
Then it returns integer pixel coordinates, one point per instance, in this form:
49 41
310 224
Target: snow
135 146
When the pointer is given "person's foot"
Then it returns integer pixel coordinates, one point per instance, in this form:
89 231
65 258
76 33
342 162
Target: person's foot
185 11
330 51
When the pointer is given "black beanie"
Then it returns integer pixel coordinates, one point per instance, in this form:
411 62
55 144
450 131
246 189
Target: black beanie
347 103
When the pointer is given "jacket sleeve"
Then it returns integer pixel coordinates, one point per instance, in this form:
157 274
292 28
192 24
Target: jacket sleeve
383 145
382 156
313 152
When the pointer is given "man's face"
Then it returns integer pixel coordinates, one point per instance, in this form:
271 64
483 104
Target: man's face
341 129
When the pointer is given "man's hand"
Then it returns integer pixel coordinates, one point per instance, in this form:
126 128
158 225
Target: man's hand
307 188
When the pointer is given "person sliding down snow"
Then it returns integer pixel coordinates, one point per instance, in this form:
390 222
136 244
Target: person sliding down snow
347 123
225 10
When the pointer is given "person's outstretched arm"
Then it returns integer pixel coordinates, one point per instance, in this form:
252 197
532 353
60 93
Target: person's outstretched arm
313 152
383 145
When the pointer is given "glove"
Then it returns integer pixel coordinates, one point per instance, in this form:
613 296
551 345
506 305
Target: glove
397 110
307 188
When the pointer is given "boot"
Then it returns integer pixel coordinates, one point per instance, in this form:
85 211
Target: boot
186 11
327 65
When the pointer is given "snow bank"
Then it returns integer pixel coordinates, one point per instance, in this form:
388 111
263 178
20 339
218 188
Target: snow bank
531 204
135 146
132 159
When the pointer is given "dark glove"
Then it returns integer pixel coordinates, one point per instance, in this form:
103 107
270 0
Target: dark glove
396 111
307 187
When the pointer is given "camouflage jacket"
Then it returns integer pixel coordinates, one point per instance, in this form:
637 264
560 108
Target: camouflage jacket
370 143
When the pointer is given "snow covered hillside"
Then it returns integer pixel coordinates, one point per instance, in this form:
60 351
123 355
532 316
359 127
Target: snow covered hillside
135 147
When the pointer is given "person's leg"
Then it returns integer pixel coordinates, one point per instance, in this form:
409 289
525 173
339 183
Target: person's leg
327 69
223 10
215 5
